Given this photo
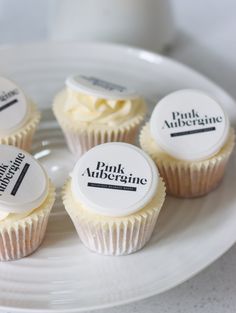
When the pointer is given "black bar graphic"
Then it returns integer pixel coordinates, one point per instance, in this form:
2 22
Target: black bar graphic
108 186
7 105
20 179
190 132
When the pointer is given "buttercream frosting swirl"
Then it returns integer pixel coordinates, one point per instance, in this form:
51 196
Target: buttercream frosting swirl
88 108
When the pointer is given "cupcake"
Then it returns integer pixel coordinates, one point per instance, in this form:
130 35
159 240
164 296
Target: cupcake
18 116
190 139
92 111
26 199
114 196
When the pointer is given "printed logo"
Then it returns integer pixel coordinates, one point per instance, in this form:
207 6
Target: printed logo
8 172
104 84
6 96
191 119
114 173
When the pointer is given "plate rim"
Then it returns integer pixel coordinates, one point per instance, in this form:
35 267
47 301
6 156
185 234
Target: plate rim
132 50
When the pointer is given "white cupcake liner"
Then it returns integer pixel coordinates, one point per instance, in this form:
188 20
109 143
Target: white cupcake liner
114 236
188 179
23 237
24 136
80 142
117 238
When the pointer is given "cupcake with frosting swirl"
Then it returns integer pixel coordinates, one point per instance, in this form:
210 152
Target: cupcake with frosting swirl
92 111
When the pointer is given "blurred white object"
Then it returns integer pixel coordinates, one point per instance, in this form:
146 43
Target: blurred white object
144 23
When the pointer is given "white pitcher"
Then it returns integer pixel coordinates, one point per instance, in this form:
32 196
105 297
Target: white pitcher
144 23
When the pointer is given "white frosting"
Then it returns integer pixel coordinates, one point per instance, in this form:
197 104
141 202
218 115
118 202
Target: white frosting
88 109
115 179
23 182
189 125
14 108
93 100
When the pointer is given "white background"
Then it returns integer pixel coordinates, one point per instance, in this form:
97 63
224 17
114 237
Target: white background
206 40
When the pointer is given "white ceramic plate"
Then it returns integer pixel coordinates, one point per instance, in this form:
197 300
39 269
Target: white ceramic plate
63 276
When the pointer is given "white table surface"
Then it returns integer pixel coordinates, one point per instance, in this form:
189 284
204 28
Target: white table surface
206 41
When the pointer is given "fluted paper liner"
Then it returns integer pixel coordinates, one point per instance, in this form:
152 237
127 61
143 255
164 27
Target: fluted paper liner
21 238
114 235
184 178
80 137
23 137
